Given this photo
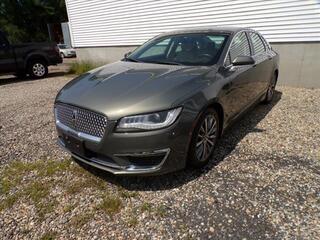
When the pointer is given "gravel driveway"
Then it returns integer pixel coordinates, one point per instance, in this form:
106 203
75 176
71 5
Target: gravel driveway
262 183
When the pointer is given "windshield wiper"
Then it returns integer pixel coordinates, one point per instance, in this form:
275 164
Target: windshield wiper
166 62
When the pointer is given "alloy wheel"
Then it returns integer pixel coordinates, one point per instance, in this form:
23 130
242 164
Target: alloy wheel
38 69
206 137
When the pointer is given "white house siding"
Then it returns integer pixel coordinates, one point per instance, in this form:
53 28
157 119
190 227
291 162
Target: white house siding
100 23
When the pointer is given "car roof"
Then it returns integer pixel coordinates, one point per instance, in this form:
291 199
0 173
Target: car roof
219 29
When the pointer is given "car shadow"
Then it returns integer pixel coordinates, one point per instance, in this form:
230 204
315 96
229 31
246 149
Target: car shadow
228 142
8 79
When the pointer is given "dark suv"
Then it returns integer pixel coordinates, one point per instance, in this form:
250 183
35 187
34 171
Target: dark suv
27 58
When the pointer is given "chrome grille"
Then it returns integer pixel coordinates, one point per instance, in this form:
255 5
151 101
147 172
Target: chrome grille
81 120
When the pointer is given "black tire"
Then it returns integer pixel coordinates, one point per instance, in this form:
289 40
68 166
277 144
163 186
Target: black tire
62 55
271 90
208 143
37 68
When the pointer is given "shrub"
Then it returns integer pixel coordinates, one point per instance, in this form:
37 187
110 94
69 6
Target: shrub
83 67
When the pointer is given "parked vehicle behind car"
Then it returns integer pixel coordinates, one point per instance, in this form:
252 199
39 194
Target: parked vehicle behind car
165 105
66 51
27 58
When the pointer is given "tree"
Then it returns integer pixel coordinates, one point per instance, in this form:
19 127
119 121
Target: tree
26 20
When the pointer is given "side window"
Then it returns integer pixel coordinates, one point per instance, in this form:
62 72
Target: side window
239 47
258 45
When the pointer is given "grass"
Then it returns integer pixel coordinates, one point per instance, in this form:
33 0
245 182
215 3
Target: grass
146 207
49 236
34 182
46 207
161 211
83 67
127 194
15 177
79 220
110 205
133 221
36 191
68 208
13 174
87 181
9 201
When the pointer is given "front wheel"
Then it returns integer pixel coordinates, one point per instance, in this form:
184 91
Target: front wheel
204 138
37 69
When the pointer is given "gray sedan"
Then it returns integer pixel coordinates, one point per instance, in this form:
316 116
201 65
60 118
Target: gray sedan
165 105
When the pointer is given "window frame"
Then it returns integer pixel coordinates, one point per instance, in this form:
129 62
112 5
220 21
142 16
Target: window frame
229 47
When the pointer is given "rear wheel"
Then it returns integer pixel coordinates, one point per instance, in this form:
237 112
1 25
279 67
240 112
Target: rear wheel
204 138
37 68
271 89
62 55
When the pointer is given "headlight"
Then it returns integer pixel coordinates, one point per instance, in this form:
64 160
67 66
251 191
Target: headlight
149 121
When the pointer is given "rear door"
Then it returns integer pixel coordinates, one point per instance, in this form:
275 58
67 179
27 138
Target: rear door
240 80
7 59
264 64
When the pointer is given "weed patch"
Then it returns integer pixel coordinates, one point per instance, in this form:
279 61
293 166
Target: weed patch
83 67
110 205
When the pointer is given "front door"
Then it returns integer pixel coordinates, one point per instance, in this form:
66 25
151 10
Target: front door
240 80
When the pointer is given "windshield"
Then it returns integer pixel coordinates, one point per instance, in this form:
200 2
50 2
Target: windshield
62 46
181 49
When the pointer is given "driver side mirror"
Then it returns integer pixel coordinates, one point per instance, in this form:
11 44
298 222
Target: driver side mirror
127 54
243 60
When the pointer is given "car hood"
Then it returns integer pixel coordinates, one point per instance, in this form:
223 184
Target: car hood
128 88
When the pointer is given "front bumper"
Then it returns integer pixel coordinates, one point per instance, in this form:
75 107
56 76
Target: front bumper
135 153
124 170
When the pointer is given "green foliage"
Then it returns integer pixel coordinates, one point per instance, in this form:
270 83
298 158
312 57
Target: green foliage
82 67
26 20
110 204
